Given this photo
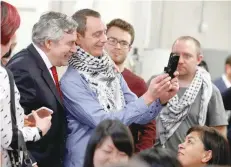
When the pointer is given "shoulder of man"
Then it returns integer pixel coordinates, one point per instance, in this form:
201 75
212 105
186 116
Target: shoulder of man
133 75
22 59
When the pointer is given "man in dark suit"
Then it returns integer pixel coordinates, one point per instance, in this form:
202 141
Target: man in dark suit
224 81
226 96
227 99
35 74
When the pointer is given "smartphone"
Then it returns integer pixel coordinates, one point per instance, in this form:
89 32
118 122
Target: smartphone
172 64
42 112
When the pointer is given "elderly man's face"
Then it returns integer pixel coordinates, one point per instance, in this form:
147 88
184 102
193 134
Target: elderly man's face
94 38
62 50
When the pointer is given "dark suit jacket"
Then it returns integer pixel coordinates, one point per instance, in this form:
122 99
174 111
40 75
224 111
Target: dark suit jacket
220 84
226 95
38 89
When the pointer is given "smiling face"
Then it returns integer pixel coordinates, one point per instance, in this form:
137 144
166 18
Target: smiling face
191 152
107 154
118 44
61 51
94 37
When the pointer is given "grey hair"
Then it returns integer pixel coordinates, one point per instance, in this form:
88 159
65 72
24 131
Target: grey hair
52 26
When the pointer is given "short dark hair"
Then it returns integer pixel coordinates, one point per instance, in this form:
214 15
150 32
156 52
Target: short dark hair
81 18
190 38
122 24
161 157
120 134
228 60
214 141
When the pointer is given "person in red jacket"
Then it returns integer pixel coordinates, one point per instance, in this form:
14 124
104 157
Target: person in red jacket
120 38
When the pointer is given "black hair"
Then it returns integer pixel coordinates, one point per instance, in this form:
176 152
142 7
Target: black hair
119 133
214 141
159 157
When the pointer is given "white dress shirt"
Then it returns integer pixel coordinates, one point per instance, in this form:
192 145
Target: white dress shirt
45 59
226 81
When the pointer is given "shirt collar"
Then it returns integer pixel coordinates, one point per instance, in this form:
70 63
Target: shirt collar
226 81
44 57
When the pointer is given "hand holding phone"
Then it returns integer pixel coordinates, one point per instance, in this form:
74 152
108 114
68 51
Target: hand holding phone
41 112
172 64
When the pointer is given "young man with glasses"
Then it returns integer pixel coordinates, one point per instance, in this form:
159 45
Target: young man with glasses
120 38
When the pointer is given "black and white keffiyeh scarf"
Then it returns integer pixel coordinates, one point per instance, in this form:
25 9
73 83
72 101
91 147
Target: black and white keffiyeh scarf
103 78
177 109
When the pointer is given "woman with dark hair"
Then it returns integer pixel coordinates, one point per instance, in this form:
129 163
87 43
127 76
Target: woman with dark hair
158 157
110 143
203 146
10 21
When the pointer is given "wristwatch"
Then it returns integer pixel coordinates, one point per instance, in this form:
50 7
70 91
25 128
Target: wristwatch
40 132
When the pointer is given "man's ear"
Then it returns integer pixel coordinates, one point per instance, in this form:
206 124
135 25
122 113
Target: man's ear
199 58
207 156
48 44
79 38
130 47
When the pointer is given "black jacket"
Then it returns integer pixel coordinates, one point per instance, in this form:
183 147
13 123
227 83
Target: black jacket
38 89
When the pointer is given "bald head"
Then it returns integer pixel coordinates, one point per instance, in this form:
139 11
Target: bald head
193 41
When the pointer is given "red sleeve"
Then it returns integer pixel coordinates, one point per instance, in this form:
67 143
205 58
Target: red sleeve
147 136
141 89
147 133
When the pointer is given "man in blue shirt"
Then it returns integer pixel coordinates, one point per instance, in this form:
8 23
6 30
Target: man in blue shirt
94 90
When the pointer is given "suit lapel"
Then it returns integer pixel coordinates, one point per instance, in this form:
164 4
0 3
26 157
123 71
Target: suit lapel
45 73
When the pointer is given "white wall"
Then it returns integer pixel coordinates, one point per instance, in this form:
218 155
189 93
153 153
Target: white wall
179 18
157 23
29 12
184 18
110 9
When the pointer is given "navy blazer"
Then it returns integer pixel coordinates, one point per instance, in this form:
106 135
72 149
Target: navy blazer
226 95
220 84
38 89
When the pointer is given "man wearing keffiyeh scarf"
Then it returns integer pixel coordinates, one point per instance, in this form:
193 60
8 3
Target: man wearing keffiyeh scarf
198 101
94 90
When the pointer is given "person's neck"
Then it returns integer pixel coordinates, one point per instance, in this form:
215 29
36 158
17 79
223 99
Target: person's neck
185 80
47 53
121 67
196 165
3 50
228 77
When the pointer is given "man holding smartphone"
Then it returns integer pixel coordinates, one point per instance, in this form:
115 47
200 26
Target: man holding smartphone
94 90
198 101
